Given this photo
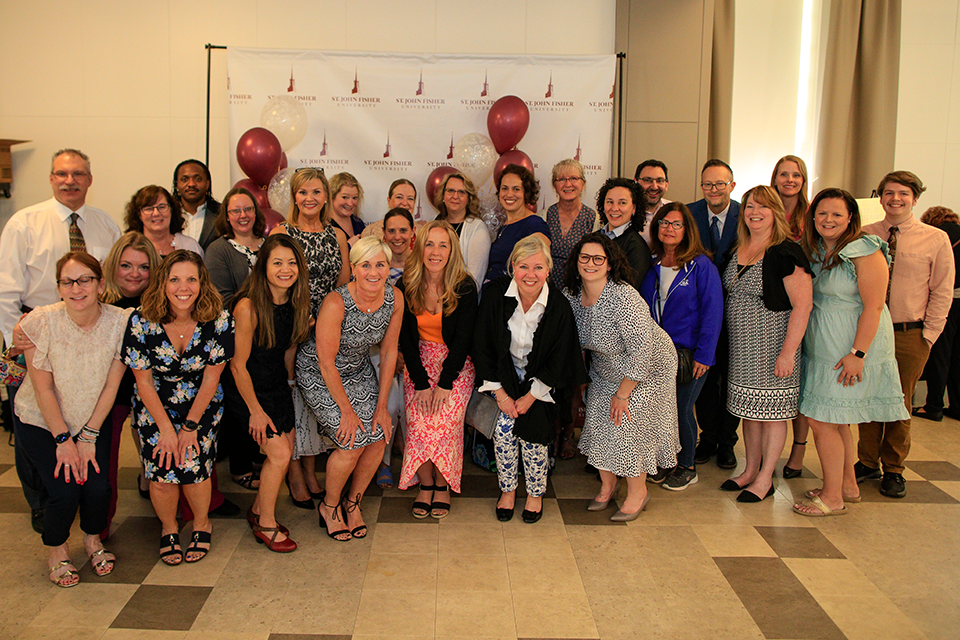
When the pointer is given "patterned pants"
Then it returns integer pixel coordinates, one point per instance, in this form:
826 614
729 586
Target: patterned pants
508 449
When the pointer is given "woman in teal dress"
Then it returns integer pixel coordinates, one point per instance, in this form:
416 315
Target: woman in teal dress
849 370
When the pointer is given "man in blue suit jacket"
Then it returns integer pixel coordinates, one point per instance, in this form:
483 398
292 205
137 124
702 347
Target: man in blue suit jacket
716 215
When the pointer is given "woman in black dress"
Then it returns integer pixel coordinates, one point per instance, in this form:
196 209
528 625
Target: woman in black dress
272 315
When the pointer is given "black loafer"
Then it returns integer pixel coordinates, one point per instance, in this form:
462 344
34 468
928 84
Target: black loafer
532 516
921 412
36 520
726 458
703 452
505 515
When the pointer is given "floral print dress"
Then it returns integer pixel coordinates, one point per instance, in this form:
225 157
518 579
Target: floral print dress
177 379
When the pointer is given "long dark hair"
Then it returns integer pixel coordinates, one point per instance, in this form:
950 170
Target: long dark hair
620 271
257 290
690 247
639 219
812 242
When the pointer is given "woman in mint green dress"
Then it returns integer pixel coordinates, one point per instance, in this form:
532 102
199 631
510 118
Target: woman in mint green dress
849 369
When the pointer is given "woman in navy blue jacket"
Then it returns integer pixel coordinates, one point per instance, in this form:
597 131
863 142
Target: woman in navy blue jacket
686 298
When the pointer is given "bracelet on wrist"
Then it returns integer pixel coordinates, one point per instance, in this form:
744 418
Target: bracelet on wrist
292 383
617 395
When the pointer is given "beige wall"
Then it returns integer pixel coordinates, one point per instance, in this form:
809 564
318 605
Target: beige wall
928 120
126 82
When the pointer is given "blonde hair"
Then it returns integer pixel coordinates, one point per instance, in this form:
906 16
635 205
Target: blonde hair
130 240
154 305
563 164
368 247
337 183
527 247
767 197
797 216
301 177
454 274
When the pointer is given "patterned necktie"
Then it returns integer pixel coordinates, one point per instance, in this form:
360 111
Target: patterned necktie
715 234
892 247
76 236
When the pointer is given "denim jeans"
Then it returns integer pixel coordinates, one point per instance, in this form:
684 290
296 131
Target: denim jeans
686 398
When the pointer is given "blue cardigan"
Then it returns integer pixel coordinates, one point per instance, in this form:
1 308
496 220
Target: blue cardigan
693 309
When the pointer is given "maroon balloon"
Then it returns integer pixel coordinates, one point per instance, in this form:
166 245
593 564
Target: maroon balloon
514 156
435 181
507 122
259 193
283 162
258 154
273 219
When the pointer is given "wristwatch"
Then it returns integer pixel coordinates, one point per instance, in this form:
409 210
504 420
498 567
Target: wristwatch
858 353
190 425
60 438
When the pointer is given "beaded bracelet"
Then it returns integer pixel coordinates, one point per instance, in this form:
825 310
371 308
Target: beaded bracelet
88 435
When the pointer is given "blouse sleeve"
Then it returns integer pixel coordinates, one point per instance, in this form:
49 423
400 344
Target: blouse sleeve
219 347
136 354
864 246
632 319
34 325
780 261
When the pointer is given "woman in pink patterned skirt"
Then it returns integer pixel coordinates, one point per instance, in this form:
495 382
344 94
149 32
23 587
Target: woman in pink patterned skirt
435 339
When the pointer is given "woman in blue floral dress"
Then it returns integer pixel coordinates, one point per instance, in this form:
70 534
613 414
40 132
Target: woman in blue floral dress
177 345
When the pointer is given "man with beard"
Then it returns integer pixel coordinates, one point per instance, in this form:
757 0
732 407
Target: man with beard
32 242
652 176
192 188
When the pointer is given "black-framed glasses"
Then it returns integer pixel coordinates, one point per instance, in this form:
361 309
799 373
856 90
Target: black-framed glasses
586 258
161 208
650 181
318 169
719 186
83 281
676 224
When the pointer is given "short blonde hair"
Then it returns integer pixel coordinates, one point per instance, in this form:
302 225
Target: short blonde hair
527 247
563 164
368 247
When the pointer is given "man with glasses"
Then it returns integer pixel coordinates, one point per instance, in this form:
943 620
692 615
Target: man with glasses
652 176
716 215
30 245
192 189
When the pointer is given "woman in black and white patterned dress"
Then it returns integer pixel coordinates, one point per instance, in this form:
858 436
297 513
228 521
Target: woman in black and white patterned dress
631 424
769 299
325 248
348 400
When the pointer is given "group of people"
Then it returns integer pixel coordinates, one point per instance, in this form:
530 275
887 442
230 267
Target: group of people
326 335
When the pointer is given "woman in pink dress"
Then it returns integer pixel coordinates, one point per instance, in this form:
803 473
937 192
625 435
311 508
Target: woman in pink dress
435 339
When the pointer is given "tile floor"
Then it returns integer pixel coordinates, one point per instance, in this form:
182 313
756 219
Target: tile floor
696 564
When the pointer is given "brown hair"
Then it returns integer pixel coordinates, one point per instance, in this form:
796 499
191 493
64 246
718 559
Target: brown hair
906 178
936 216
812 241
473 200
130 240
767 197
620 270
690 246
83 258
154 305
531 189
798 215
223 222
145 197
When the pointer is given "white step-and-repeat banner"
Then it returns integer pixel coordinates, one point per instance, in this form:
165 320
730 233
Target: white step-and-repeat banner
385 116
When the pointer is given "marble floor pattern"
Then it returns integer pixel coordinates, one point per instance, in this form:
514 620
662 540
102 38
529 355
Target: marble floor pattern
696 564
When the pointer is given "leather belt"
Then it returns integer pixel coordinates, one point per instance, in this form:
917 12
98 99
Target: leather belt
907 326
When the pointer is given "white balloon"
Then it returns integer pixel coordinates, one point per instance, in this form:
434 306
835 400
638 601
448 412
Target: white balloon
285 118
278 192
492 213
475 155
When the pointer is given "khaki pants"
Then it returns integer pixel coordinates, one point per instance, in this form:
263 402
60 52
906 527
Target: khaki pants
889 442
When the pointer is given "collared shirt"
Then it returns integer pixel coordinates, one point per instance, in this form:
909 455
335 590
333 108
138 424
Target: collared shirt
522 325
32 242
649 215
616 232
193 222
721 217
923 273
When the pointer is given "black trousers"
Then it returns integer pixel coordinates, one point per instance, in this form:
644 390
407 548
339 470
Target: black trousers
30 482
717 426
92 498
942 371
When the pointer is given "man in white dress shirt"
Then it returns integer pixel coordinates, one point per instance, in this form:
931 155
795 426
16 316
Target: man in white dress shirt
192 188
31 243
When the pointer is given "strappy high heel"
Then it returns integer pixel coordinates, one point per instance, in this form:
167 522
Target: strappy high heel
354 505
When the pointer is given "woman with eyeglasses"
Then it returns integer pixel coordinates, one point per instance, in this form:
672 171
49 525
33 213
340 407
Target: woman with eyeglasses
231 257
630 429
620 203
517 191
73 371
155 214
568 218
459 205
177 344
789 178
325 247
685 297
769 298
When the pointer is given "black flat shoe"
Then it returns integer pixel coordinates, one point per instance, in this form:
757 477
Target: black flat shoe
504 515
144 493
751 497
921 412
730 485
531 517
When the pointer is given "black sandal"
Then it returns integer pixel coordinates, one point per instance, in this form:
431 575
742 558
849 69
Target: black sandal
170 548
198 538
423 507
246 481
789 472
354 505
436 506
323 522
